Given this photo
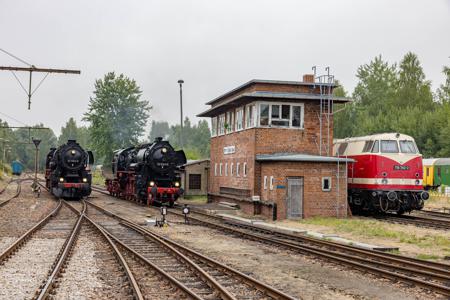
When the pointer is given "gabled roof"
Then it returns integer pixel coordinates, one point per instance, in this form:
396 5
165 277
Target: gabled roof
235 101
300 157
253 81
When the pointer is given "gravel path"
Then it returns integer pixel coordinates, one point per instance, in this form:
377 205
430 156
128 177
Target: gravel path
22 274
92 271
22 213
293 273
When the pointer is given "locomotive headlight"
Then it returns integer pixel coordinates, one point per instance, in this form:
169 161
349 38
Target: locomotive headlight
164 150
152 183
61 179
417 182
84 179
177 184
73 152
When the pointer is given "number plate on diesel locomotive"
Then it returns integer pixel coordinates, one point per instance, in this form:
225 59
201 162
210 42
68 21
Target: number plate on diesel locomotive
401 168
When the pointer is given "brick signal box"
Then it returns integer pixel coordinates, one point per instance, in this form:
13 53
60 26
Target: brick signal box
270 149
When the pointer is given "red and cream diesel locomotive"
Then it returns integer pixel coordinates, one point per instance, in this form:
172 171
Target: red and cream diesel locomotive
386 175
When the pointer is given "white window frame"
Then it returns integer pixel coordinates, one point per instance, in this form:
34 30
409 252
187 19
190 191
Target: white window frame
226 169
271 183
215 169
239 119
291 110
237 169
229 120
329 184
250 109
213 126
231 169
220 169
221 125
244 169
265 182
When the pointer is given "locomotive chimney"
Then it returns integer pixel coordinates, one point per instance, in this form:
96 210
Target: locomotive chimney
158 139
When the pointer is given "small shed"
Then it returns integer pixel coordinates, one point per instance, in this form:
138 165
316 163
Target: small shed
195 177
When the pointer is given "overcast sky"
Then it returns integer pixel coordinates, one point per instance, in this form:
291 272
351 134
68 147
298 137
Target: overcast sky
213 45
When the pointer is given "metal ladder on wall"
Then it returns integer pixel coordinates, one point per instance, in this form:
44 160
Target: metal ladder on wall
325 84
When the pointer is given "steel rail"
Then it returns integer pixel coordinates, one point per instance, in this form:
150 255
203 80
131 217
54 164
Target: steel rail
413 262
224 293
60 259
429 265
439 214
350 260
134 285
169 277
22 239
17 194
262 287
438 273
417 221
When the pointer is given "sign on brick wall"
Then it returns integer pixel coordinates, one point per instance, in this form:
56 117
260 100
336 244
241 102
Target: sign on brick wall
229 149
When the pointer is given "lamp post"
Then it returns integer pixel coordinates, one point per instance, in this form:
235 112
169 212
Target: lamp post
5 150
36 143
180 82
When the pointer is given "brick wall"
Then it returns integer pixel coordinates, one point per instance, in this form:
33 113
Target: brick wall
244 142
201 168
315 201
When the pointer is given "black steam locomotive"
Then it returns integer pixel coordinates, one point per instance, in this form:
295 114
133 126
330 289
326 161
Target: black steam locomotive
149 173
67 172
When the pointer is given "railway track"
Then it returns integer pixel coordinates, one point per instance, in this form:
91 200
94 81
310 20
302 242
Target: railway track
432 213
419 221
15 194
432 276
36 247
204 277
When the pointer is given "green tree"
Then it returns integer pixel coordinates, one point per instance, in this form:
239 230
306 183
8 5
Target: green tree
68 132
443 92
159 129
116 114
195 138
72 132
413 88
24 150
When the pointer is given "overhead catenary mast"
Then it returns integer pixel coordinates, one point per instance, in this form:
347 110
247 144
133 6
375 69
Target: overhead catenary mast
31 68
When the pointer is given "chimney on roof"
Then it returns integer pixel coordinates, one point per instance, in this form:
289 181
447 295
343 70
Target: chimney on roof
308 78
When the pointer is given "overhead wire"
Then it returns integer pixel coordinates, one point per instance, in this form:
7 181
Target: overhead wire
13 56
12 118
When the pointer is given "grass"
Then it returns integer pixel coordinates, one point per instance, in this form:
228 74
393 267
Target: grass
437 200
427 256
375 229
198 199
97 178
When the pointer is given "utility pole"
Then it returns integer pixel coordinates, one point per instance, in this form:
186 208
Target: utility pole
180 82
32 69
36 143
25 127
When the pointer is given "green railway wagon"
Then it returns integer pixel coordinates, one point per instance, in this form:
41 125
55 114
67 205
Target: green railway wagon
442 172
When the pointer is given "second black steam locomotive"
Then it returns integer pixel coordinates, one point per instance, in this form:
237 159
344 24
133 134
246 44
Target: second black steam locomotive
149 173
67 171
